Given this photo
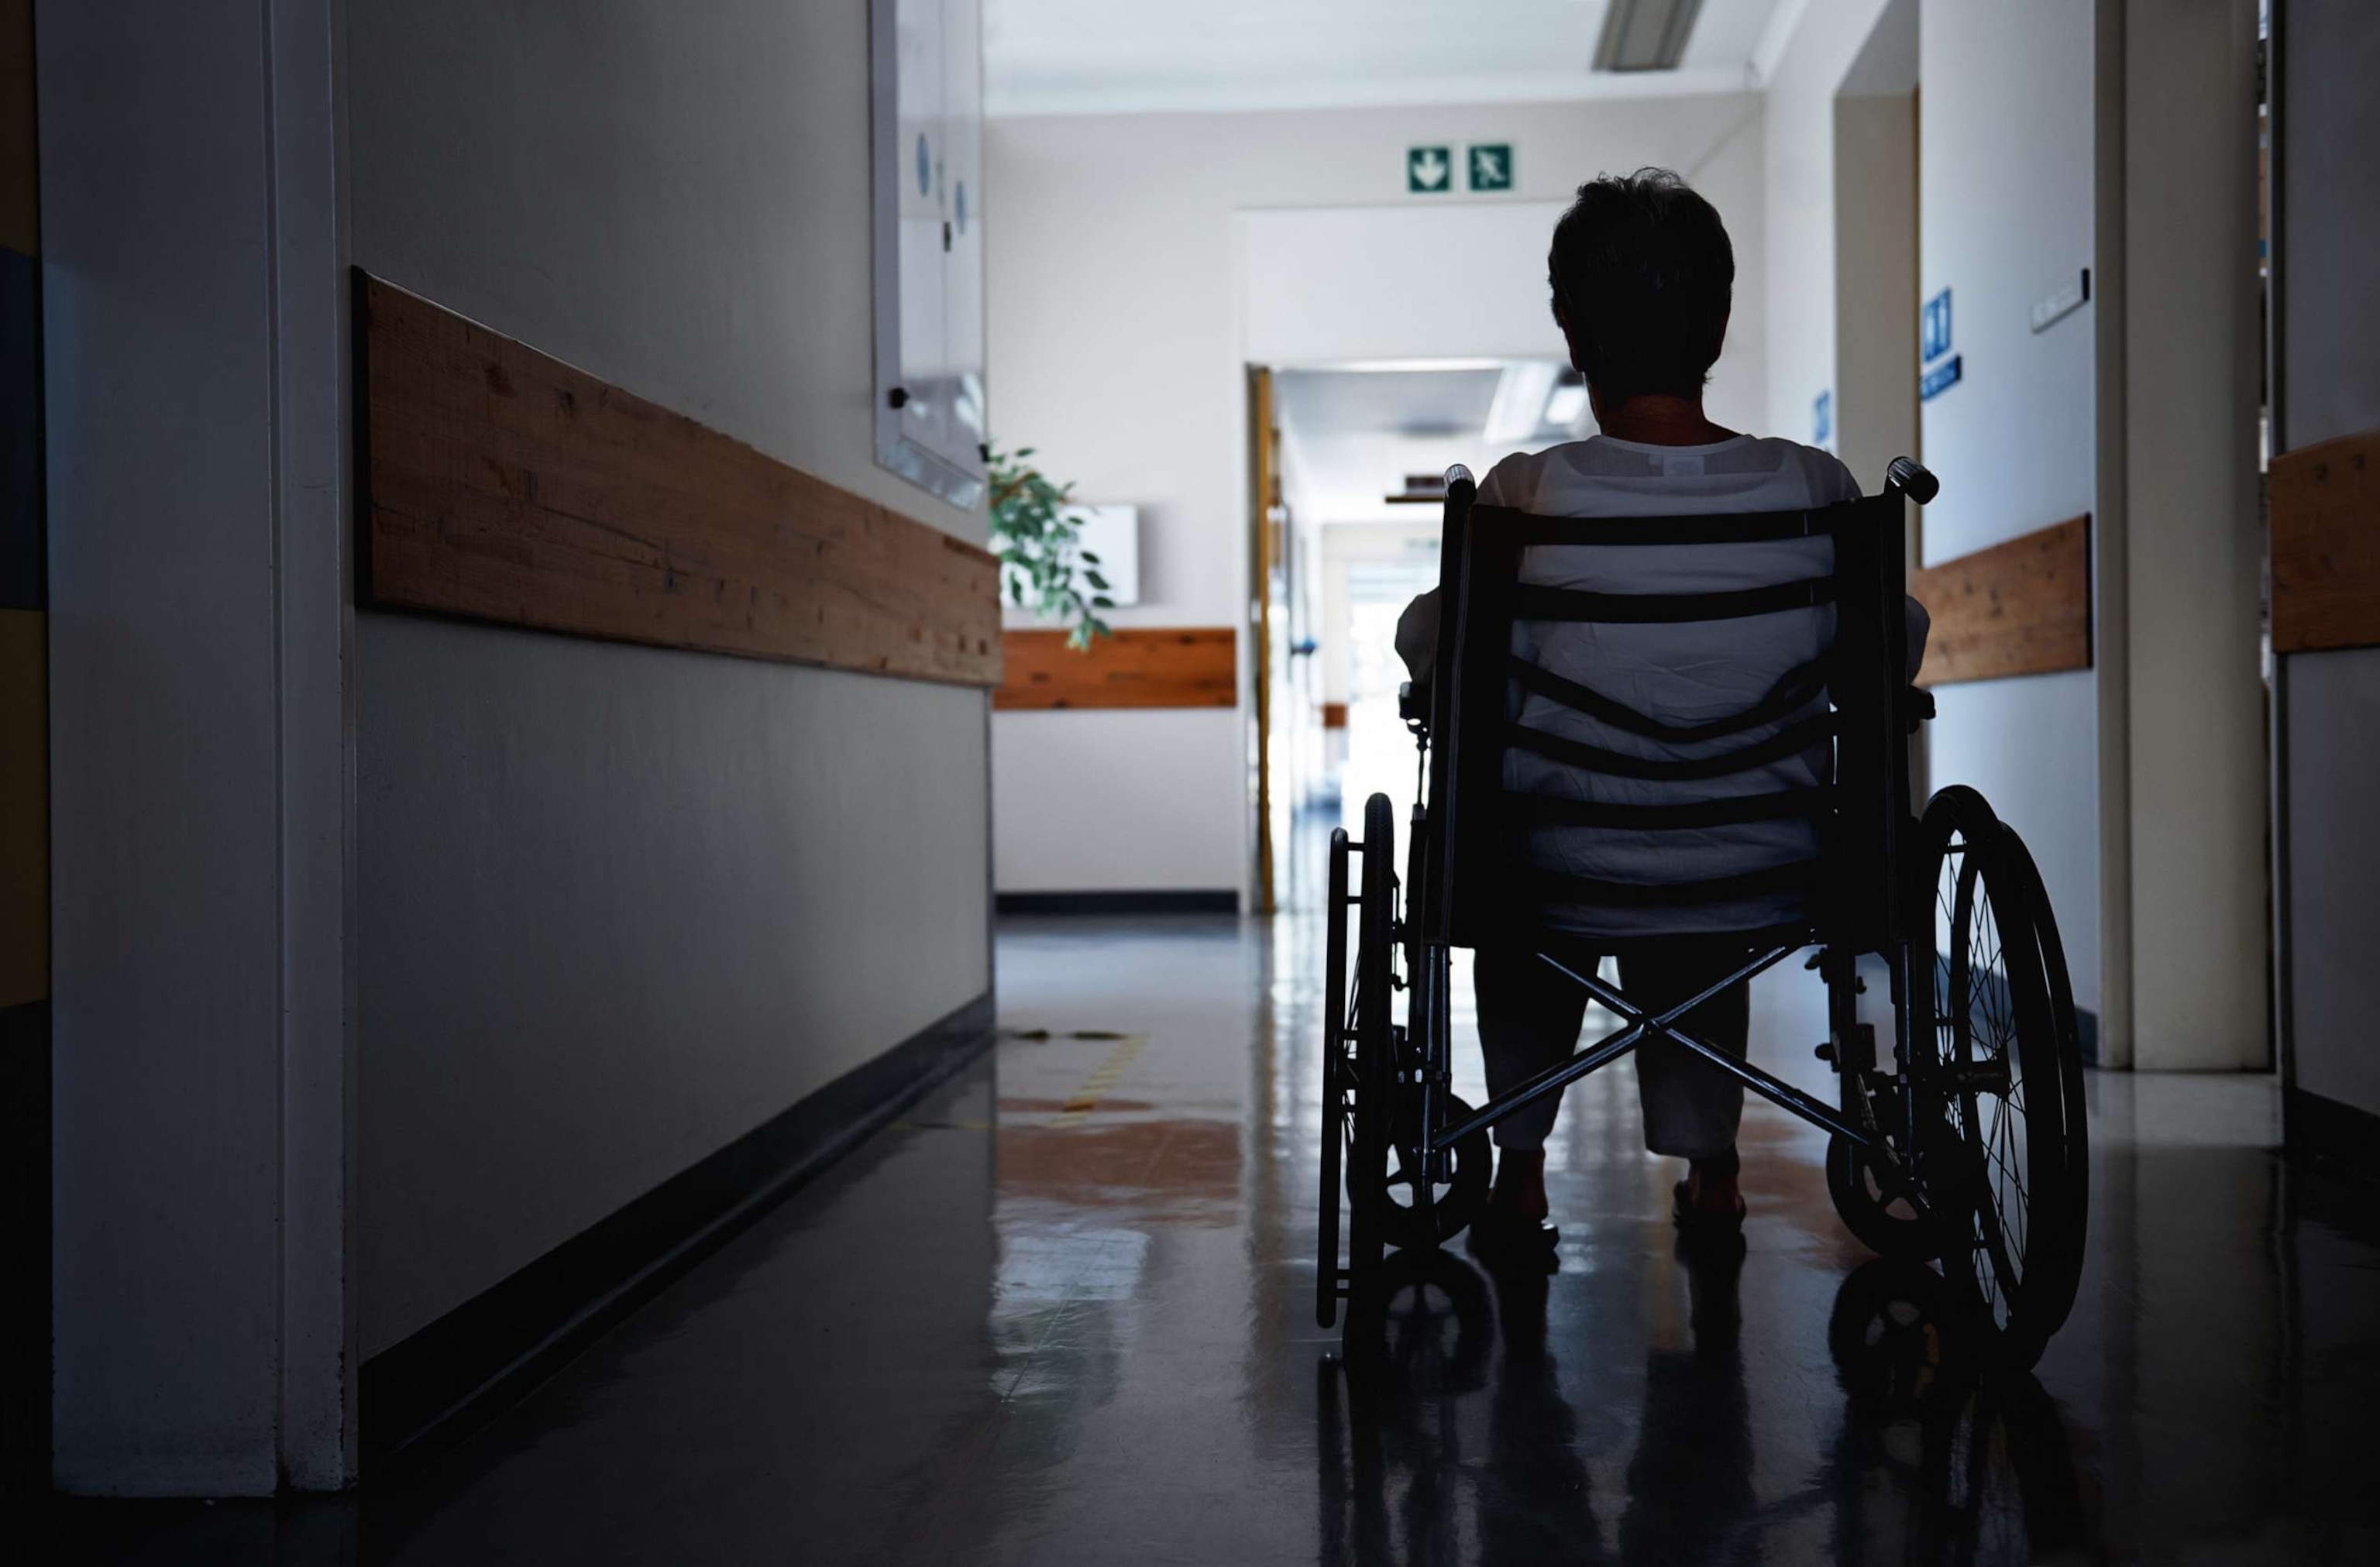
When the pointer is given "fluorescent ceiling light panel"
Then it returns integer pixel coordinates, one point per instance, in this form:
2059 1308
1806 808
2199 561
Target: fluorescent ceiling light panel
1519 402
1567 405
1645 36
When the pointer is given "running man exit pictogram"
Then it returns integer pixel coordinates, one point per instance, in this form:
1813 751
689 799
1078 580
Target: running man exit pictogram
1491 167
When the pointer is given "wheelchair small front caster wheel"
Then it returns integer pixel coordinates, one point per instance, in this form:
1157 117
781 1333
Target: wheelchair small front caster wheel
1457 1194
1884 1222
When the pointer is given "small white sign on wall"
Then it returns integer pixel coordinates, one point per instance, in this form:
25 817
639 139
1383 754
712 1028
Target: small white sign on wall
1112 533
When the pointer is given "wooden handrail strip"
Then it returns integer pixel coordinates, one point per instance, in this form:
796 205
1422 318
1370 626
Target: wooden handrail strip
2326 524
501 484
2020 607
1137 667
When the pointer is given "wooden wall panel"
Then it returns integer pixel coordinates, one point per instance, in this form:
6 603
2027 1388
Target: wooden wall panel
2325 522
1172 667
2023 607
500 484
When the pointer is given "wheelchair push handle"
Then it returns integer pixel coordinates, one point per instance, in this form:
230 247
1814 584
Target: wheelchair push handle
1907 476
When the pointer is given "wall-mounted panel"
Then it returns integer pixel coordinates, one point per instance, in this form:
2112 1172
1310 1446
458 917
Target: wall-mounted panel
500 484
926 61
1137 667
2022 607
2326 520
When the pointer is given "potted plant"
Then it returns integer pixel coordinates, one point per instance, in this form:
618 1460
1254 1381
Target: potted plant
1050 572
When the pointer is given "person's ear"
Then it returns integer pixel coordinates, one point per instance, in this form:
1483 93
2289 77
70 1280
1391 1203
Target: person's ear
1562 319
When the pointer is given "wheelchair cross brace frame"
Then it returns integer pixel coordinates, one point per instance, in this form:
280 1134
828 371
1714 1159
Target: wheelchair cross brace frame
1637 1026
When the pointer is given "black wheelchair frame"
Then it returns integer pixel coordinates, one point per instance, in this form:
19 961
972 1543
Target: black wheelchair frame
1967 1148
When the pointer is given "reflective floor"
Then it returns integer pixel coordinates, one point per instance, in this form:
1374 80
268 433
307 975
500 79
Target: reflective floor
1063 1312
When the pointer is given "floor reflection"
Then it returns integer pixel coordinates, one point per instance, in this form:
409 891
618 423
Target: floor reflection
1445 1433
1062 1312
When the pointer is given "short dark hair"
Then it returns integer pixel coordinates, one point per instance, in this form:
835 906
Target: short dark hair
1643 274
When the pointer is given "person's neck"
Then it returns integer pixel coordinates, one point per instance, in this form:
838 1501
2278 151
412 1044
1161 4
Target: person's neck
1657 419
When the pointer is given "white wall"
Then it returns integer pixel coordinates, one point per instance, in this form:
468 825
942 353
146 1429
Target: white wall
618 907
2329 356
1118 345
2006 149
191 309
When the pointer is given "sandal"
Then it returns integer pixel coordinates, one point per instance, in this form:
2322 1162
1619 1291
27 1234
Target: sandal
1695 1219
1498 1239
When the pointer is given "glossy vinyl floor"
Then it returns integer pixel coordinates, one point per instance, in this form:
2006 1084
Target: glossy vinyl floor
1063 1312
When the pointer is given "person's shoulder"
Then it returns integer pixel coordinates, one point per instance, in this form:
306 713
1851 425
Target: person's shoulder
1822 473
1514 482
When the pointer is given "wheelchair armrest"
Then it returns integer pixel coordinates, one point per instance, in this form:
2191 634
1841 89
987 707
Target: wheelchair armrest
1921 707
1413 706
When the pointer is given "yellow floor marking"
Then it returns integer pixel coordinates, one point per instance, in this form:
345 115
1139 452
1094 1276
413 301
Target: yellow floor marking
1094 1087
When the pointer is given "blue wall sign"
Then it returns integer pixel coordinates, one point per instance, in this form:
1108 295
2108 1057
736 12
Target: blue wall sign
1822 419
1934 329
1938 379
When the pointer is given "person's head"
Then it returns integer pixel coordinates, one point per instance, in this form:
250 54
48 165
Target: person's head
1642 275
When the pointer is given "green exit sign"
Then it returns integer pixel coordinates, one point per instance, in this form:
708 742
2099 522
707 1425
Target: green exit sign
1491 165
1429 170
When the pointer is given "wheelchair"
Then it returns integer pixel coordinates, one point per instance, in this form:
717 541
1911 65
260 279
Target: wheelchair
1962 1147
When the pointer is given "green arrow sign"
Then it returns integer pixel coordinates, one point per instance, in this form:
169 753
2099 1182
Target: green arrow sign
1429 170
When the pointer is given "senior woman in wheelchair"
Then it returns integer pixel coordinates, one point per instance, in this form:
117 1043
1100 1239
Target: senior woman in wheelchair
1641 275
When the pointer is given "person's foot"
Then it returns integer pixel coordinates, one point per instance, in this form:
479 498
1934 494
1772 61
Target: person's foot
1709 1197
1520 1185
1711 1186
1511 1232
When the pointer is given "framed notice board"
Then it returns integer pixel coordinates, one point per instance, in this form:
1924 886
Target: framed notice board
926 98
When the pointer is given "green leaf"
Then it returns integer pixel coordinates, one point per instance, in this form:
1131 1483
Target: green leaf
1102 603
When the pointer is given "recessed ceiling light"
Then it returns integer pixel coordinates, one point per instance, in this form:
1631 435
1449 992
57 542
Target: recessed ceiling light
1645 36
1519 402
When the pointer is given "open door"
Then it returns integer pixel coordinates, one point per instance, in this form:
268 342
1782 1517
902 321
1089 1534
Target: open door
1264 592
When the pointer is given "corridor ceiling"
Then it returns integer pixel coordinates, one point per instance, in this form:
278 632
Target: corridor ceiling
1125 56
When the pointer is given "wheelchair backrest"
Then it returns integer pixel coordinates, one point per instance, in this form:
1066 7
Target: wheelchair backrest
1649 728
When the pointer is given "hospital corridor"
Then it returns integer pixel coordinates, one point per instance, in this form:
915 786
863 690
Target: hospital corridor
1057 780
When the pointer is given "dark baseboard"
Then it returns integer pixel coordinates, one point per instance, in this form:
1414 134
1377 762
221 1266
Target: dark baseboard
24 1241
2330 1132
1218 901
418 1396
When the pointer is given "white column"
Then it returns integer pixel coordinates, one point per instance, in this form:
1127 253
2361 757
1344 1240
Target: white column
194 315
2195 780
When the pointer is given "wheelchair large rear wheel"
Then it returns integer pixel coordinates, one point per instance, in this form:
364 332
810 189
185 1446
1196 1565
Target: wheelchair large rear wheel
1336 1080
2008 1167
1372 1064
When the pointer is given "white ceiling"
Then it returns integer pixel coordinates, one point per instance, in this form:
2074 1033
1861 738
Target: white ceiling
1433 401
1352 436
1123 56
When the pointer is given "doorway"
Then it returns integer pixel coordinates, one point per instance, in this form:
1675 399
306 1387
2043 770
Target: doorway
1349 485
